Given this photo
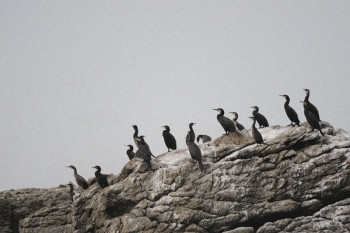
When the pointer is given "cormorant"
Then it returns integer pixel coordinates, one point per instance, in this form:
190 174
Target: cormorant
71 193
292 115
101 179
143 152
226 123
311 118
136 135
169 139
255 133
310 106
194 150
130 152
191 132
205 138
238 125
259 117
79 179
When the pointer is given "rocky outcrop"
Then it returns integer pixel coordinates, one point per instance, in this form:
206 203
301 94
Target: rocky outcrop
46 208
298 182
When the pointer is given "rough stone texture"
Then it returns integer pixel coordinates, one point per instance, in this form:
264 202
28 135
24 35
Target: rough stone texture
299 182
18 204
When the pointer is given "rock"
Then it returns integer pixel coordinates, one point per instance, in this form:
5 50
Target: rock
299 182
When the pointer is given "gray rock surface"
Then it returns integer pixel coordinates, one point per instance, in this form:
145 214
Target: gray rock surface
299 182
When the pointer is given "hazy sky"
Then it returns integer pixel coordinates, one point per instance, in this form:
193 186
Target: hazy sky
76 75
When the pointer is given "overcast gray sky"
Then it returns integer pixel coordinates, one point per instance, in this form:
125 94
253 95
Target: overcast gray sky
76 75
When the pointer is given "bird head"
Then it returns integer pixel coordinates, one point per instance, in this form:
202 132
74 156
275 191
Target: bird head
307 91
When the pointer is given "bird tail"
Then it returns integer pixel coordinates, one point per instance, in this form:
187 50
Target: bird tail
200 164
149 166
321 132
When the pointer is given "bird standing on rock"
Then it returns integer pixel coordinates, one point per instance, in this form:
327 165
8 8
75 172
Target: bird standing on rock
255 133
262 121
144 152
226 123
169 139
191 132
194 150
101 179
205 138
79 179
311 118
310 106
235 118
292 115
130 152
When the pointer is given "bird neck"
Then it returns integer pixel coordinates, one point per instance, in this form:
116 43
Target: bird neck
253 124
221 113
167 130
75 170
136 131
307 96
191 129
287 102
97 172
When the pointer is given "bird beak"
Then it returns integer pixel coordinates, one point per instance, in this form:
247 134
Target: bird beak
251 107
215 109
301 101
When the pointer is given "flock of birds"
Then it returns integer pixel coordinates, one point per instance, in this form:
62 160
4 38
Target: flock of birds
229 126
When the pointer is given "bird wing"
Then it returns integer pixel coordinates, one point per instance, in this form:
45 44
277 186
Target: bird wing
227 124
292 115
173 140
194 150
261 119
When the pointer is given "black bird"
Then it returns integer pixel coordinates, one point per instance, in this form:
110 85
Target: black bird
194 150
169 139
292 115
71 193
226 123
205 138
259 117
79 179
136 135
191 132
143 152
311 118
101 179
238 125
255 133
130 152
310 106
